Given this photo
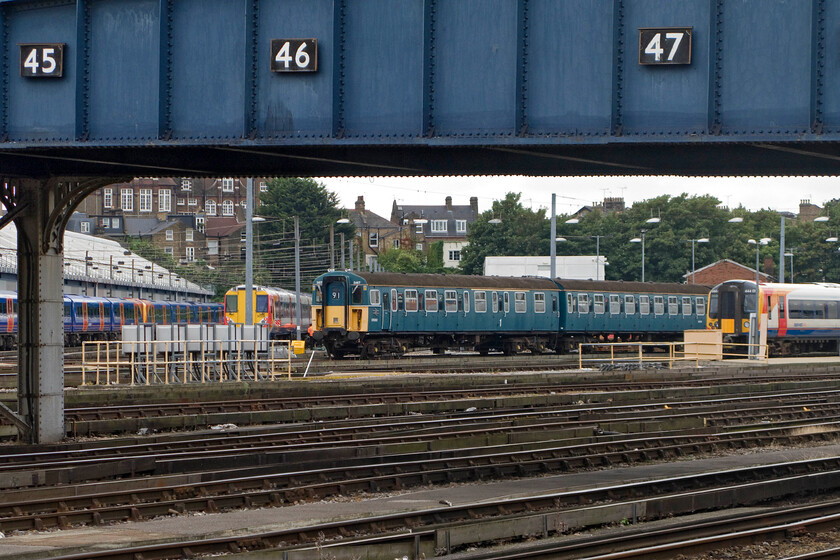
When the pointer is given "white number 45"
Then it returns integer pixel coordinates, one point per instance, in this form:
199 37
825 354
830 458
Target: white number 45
655 48
47 57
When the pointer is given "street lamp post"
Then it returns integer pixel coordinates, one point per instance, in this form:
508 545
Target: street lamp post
641 239
790 254
701 240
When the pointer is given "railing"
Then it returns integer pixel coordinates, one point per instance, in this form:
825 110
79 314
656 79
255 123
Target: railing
642 355
184 362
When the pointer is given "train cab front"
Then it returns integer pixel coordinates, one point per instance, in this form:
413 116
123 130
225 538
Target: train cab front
730 306
332 314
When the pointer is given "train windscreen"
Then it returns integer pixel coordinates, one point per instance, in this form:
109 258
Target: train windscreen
262 303
750 300
713 305
231 303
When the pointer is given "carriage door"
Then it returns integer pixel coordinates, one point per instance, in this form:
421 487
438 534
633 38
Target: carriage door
390 305
335 303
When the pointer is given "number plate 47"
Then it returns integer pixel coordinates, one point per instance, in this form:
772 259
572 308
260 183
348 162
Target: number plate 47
294 55
665 45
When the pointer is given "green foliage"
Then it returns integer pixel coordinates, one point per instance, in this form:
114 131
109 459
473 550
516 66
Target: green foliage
315 207
412 261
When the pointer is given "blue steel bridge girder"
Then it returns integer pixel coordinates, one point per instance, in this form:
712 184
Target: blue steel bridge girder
419 87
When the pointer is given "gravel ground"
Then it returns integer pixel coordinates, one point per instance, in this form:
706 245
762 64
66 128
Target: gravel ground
794 546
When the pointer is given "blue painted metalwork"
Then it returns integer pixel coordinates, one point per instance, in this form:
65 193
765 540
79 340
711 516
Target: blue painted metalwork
556 81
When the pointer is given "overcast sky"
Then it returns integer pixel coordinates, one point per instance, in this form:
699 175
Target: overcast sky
754 193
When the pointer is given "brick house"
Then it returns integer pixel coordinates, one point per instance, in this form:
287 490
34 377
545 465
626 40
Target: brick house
448 223
723 270
374 234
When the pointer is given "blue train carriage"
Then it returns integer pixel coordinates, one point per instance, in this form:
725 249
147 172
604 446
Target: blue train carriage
615 311
386 313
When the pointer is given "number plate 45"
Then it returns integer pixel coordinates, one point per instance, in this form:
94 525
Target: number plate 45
41 60
294 55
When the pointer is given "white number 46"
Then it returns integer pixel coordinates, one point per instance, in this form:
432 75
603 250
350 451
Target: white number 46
655 46
284 57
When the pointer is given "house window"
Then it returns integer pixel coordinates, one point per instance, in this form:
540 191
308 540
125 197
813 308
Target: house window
189 235
127 200
418 246
164 200
190 254
263 186
396 243
418 228
170 235
227 184
192 202
145 200
108 198
460 226
242 236
106 222
210 207
169 250
179 201
454 255
186 185
85 227
439 226
212 246
115 222
199 223
373 239
227 208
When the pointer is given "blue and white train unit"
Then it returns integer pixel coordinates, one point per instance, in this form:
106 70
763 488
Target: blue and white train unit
386 313
99 318
799 318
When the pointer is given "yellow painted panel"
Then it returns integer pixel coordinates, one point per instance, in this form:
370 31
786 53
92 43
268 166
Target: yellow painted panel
727 325
358 319
334 318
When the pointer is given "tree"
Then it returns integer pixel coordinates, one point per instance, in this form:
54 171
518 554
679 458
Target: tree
315 207
520 232
412 261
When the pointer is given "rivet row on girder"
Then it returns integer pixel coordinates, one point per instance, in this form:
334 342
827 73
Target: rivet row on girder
818 68
618 67
522 107
431 22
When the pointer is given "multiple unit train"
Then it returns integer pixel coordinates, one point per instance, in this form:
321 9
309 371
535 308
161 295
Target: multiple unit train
800 318
275 307
376 313
98 318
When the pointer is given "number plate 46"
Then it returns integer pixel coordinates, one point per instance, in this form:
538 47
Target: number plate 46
42 60
294 55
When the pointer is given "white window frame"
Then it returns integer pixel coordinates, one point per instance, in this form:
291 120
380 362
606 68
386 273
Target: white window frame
598 304
192 202
700 306
439 226
227 184
506 299
190 252
450 301
480 301
145 200
107 198
212 246
658 305
411 295
673 305
520 302
199 223
466 301
210 207
418 228
418 246
583 304
170 235
686 305
169 250
539 302
127 200
629 305
615 304
375 298
189 234
455 255
644 305
227 208
263 186
373 239
460 226
106 223
430 301
571 303
164 200
186 184
396 243
115 222
179 201
84 227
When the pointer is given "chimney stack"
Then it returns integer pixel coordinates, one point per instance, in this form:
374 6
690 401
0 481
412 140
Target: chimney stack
360 204
449 203
474 205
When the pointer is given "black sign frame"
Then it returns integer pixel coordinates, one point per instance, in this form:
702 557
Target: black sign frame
294 55
35 56
665 46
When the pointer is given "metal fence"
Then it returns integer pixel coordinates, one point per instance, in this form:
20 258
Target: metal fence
185 361
649 355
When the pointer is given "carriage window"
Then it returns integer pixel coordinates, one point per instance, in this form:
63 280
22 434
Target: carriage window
67 309
375 298
318 295
539 302
451 301
831 310
262 303
571 303
644 305
700 305
686 306
713 304
615 304
507 301
231 303
431 304
481 302
395 302
630 305
598 304
520 305
658 305
673 305
356 294
495 302
411 300
583 303
466 302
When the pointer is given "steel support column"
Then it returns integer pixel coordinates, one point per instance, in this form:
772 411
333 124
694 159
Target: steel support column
40 210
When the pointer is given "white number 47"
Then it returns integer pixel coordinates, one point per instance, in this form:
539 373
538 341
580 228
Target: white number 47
655 47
